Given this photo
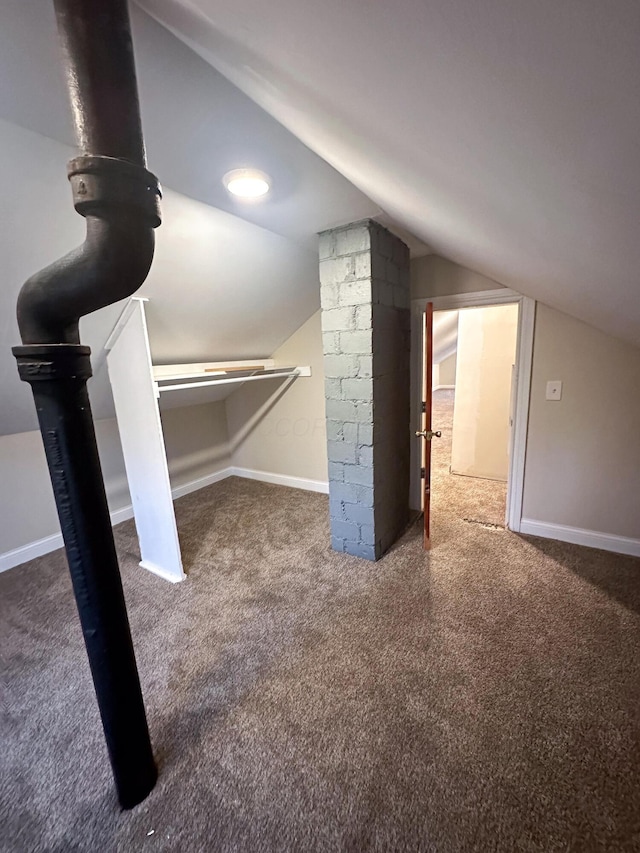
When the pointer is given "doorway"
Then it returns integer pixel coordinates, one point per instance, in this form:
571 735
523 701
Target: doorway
480 456
474 352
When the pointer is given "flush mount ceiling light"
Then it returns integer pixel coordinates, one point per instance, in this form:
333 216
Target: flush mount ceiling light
247 183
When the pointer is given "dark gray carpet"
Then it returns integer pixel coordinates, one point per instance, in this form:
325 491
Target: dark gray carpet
485 697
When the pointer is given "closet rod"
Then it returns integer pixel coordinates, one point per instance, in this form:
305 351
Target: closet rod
238 379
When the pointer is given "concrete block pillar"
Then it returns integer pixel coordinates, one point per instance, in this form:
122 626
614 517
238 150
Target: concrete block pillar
364 280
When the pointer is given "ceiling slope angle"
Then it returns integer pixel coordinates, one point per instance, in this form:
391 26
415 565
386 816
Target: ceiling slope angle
229 281
198 126
219 288
504 134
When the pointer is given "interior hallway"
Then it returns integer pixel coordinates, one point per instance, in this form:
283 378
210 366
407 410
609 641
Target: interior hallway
470 498
483 698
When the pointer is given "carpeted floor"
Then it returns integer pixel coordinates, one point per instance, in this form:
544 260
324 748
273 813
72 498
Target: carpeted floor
470 499
485 697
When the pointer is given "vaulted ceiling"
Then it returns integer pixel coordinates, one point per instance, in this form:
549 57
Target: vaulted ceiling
228 280
504 133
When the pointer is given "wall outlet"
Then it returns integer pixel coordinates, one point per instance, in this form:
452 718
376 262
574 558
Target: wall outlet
554 390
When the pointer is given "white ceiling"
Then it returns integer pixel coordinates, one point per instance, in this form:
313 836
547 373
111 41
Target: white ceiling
504 133
197 125
229 280
222 286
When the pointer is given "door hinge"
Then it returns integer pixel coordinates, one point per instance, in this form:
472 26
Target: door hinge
423 473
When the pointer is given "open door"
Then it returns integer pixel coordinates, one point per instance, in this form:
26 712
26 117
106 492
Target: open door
426 433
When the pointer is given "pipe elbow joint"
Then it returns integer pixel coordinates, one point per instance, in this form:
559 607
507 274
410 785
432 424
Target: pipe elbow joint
121 204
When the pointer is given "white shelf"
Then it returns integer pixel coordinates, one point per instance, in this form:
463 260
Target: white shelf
178 385
176 390
163 372
207 379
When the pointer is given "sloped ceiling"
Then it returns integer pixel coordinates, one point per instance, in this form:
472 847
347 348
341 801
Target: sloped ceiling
219 288
228 281
197 125
503 133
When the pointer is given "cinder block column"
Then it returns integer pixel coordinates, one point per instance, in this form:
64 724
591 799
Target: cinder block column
364 278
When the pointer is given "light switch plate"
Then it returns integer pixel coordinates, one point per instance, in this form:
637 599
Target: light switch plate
554 389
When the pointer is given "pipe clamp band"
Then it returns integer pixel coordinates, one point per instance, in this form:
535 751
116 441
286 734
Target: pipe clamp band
41 362
100 184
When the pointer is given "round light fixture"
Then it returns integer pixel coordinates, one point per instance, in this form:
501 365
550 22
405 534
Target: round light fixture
247 183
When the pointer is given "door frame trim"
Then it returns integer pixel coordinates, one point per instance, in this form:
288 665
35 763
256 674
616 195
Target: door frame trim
524 361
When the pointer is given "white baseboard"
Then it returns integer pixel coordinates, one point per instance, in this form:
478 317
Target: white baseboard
117 517
443 388
579 536
31 550
546 530
282 480
51 543
201 482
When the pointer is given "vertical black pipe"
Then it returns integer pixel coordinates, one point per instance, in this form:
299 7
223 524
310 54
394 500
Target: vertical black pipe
119 199
58 379
101 77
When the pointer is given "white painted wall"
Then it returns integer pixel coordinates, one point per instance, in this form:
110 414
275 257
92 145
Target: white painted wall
486 352
279 427
583 451
444 344
433 275
197 442
447 370
27 508
583 454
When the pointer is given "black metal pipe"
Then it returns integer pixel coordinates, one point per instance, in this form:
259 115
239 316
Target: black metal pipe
58 375
120 200
101 77
120 203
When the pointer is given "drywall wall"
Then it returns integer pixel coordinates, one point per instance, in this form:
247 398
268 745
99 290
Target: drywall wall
27 508
29 207
486 352
196 440
445 334
279 427
583 451
447 370
444 344
433 276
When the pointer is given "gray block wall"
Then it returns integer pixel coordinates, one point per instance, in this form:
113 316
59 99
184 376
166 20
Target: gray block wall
364 279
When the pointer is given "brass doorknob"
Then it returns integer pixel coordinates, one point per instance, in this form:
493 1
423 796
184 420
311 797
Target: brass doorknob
428 434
